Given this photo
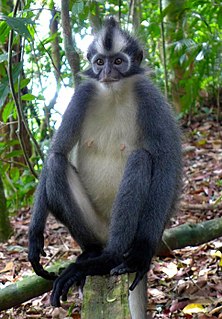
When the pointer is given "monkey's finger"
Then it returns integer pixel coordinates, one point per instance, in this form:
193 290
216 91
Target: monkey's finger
68 285
56 293
128 253
120 270
138 277
65 290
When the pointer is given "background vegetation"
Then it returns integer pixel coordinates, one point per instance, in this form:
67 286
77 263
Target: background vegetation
183 50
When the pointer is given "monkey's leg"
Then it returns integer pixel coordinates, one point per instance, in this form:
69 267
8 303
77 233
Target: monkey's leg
78 214
69 203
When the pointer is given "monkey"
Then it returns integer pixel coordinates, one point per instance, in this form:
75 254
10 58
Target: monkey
113 171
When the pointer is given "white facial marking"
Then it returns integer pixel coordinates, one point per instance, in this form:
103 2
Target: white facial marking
128 60
119 42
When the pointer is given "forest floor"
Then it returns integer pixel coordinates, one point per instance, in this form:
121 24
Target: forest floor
186 285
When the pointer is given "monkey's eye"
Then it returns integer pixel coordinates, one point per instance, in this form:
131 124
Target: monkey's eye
99 62
118 61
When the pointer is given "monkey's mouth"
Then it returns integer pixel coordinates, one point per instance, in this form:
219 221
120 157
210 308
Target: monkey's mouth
108 80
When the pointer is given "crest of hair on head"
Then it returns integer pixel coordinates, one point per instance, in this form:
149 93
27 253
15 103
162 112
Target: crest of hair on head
111 22
111 39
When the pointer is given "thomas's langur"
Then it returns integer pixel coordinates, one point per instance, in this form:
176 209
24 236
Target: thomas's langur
113 172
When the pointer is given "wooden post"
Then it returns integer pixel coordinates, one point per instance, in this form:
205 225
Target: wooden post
106 298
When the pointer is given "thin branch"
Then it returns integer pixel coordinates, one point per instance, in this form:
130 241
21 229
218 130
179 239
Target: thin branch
21 118
2 124
24 119
50 57
94 17
202 207
120 10
71 53
12 162
164 50
45 49
131 5
55 49
10 77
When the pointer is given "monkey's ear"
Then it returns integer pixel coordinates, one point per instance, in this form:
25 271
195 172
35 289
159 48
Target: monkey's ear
139 57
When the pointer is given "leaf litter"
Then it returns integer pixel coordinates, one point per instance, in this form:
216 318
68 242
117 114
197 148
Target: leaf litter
186 285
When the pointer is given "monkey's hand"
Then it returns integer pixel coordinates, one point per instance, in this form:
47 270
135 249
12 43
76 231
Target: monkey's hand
70 276
36 245
137 259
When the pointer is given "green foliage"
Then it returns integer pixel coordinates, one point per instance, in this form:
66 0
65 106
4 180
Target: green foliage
77 7
7 111
19 183
18 25
195 49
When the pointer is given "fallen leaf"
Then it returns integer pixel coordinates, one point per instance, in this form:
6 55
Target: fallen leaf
170 270
154 292
216 253
216 310
9 266
178 305
193 308
206 317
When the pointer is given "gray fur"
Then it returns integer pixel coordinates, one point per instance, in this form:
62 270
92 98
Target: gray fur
113 173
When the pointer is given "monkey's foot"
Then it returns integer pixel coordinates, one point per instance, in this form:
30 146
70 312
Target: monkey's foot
70 276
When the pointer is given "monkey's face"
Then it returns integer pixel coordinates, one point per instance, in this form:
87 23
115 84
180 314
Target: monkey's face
113 54
110 68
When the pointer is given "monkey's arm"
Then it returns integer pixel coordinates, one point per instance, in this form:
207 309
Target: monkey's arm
152 221
161 138
36 229
55 168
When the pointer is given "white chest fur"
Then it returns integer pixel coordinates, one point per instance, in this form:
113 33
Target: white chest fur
108 136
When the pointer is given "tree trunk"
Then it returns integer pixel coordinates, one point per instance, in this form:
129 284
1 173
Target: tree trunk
69 42
27 288
174 28
106 298
5 227
190 235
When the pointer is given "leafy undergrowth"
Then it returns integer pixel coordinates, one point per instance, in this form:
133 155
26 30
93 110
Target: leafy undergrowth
186 285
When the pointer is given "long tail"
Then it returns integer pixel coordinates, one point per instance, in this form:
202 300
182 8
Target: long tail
138 300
